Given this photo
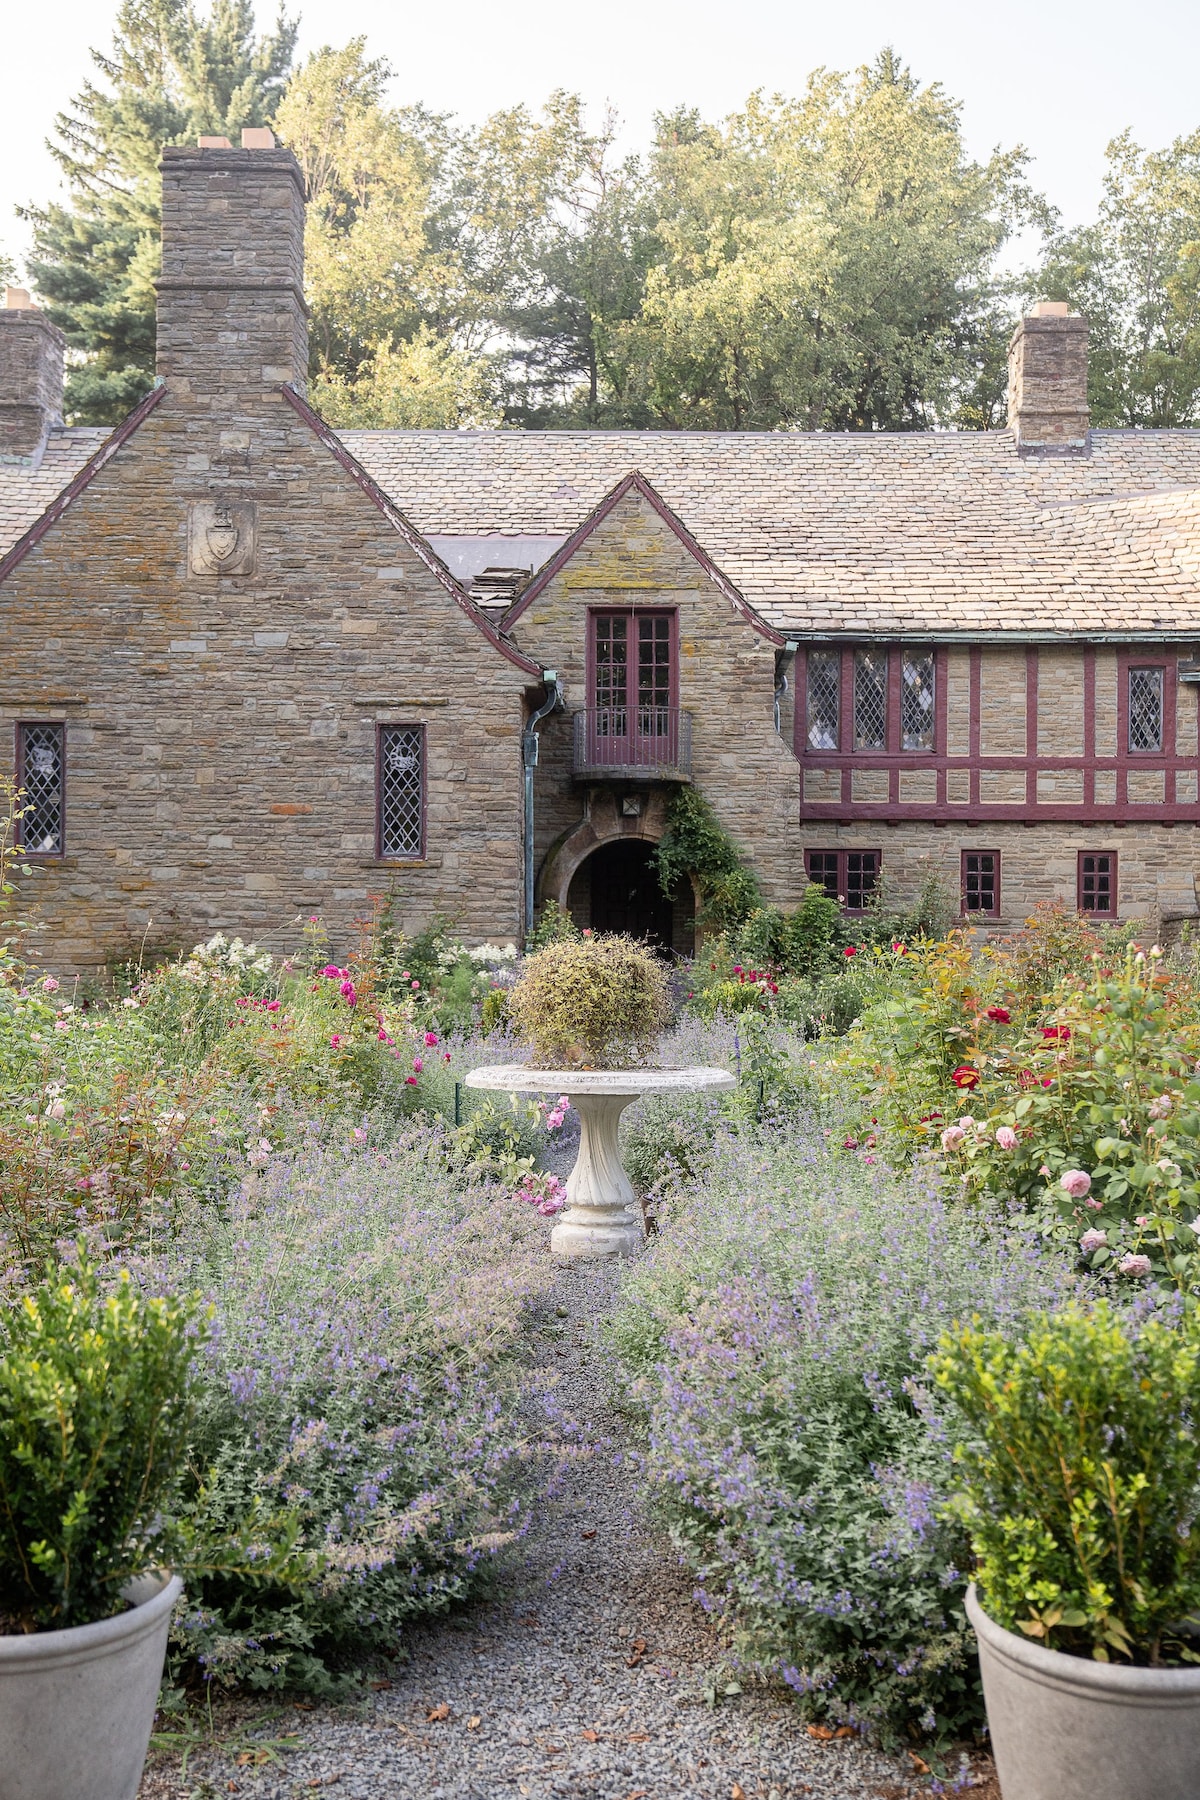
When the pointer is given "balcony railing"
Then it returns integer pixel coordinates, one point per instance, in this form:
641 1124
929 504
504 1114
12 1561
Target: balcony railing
643 743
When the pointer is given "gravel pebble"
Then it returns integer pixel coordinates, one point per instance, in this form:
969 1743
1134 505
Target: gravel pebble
585 1676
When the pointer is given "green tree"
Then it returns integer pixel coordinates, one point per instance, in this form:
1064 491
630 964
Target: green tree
1135 274
171 75
826 262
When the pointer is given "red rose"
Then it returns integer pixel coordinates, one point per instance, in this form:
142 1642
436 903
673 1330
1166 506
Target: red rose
1056 1031
965 1076
999 1015
850 950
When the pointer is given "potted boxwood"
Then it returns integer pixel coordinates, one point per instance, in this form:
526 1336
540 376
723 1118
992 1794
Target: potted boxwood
94 1418
592 1008
1080 1467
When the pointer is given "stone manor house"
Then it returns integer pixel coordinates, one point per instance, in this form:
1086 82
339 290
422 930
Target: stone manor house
253 668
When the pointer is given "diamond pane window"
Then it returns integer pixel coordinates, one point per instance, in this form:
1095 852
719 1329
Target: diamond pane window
981 881
1098 882
400 775
1145 709
870 699
824 699
916 700
848 876
41 766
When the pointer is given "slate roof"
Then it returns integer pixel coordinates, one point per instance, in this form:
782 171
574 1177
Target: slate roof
906 533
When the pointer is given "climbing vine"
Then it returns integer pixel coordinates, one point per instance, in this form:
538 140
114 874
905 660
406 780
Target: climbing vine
697 844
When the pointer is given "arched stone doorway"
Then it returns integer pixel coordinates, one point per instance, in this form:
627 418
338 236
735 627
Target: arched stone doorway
602 872
617 889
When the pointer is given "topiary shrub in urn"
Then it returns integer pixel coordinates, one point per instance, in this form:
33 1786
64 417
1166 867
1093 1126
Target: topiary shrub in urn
94 1420
1080 1466
591 1010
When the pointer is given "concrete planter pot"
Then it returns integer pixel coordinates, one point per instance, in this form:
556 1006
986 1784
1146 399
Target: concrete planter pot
602 1216
1068 1728
77 1706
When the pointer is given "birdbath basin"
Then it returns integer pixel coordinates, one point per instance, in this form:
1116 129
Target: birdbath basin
602 1215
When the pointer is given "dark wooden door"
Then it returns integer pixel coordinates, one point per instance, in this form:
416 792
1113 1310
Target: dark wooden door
626 895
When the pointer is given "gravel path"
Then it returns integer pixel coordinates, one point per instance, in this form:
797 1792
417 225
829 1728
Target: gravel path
586 1677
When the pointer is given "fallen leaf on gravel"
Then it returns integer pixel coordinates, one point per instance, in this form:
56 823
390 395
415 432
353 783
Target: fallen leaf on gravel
638 1737
473 1722
587 1534
590 1737
636 1652
439 1712
381 1687
739 1792
819 1731
919 1763
531 1620
639 1794
552 1749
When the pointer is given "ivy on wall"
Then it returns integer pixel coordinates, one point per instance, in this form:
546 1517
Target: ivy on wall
697 845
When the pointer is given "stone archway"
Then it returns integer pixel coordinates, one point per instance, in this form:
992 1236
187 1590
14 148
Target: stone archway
605 826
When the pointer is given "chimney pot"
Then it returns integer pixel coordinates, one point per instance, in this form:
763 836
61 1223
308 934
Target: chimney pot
1047 381
214 143
17 300
257 137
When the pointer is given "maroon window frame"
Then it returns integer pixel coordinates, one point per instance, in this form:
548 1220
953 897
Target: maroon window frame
848 876
387 794
25 773
1097 881
632 682
895 709
980 884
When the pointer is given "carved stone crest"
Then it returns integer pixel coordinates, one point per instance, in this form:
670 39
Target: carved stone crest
221 538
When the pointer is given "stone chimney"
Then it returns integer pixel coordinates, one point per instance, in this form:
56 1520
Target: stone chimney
232 323
1047 381
31 378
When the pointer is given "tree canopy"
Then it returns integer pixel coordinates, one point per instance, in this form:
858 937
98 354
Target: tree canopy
828 261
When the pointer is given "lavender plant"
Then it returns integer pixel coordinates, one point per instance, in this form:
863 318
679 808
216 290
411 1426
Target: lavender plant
363 1379
774 1339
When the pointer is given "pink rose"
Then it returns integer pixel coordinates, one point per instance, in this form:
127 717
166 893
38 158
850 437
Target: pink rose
952 1137
410 1081
1134 1265
431 1038
1075 1182
1093 1240
331 972
1006 1137
418 1065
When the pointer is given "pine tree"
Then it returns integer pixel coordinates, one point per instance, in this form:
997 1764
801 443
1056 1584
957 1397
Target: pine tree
170 76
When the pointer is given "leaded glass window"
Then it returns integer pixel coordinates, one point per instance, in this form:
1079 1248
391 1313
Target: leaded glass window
1145 709
916 700
401 785
824 869
870 699
981 881
824 714
41 767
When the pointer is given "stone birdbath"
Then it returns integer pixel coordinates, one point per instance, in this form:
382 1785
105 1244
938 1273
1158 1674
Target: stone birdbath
602 1216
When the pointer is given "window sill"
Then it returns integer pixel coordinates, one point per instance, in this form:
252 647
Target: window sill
33 859
402 862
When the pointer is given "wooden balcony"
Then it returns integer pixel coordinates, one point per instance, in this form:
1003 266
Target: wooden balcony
625 743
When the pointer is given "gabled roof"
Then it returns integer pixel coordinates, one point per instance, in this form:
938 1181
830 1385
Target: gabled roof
411 536
936 533
81 479
635 483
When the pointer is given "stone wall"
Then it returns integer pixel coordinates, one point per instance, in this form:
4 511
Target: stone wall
726 681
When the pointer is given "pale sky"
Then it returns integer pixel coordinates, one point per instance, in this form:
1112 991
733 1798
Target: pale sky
1061 77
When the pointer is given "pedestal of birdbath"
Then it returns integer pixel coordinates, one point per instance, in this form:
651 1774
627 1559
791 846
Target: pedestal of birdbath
602 1216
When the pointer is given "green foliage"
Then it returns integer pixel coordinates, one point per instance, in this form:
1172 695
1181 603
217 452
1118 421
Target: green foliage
697 846
597 1002
1135 273
95 1413
554 926
1080 1478
774 1335
171 73
1102 1108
